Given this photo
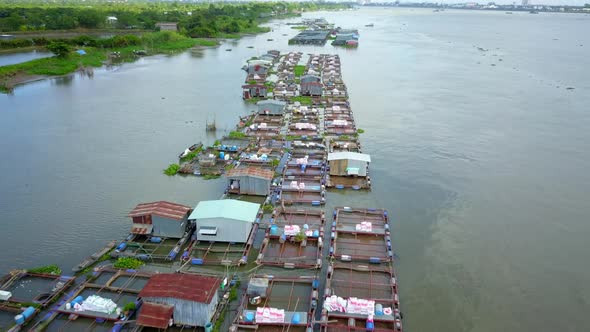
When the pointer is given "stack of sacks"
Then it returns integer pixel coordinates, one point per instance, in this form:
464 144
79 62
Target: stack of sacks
335 303
98 304
364 226
360 306
340 123
304 125
301 161
270 315
309 233
294 185
262 125
292 230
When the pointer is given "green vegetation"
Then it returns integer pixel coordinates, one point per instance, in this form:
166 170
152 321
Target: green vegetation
172 169
60 49
252 82
300 236
274 162
211 176
299 27
219 321
292 137
360 131
236 134
304 100
217 143
267 208
298 70
130 306
48 269
191 155
127 263
344 137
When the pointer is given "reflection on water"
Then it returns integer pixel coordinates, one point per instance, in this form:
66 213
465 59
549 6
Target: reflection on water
14 58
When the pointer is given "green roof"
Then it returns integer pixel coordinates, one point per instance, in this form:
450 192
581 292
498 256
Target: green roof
226 208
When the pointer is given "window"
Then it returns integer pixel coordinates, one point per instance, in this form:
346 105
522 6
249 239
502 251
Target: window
208 230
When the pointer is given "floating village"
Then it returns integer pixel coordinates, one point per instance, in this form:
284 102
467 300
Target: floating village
267 255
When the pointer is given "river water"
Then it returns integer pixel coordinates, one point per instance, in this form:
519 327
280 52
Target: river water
480 154
18 57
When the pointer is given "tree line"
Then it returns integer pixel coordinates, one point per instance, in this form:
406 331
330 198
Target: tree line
195 20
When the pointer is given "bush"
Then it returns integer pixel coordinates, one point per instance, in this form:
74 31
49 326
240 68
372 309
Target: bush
267 208
127 263
129 306
360 131
236 134
172 169
48 269
58 48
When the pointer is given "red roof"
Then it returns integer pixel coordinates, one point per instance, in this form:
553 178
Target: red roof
190 287
155 315
251 171
162 209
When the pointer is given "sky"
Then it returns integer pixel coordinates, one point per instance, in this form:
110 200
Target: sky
502 2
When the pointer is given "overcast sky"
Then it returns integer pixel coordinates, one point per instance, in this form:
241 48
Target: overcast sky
504 2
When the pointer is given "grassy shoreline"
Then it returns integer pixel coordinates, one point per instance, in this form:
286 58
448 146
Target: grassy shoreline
154 43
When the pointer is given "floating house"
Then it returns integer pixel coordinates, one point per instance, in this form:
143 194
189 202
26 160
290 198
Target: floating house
257 68
167 26
249 181
193 298
348 163
271 107
162 219
311 37
225 220
254 91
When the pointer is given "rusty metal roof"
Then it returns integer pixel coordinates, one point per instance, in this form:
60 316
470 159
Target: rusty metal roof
142 229
162 209
155 315
190 287
251 171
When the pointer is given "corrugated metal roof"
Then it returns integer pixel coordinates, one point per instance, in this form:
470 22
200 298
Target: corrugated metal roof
189 287
142 229
349 155
155 315
254 172
226 208
162 208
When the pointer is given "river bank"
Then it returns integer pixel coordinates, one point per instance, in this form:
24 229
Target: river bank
149 44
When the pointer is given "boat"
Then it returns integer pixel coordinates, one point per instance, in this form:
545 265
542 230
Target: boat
269 39
190 149
370 25
534 12
508 12
228 49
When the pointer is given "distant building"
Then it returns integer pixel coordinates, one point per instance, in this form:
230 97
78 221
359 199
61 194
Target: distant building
525 3
162 219
254 90
225 220
167 26
189 298
112 20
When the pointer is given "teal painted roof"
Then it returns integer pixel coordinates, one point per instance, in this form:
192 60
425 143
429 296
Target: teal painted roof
226 208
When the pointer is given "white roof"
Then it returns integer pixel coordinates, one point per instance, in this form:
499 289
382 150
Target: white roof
349 155
226 208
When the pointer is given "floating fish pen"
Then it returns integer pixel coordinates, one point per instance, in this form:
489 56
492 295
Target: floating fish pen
14 316
303 129
277 304
232 145
151 248
360 235
202 252
338 145
114 279
290 195
281 247
361 298
272 120
22 287
94 257
340 127
263 130
303 172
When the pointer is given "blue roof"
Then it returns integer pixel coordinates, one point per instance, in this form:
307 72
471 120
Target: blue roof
81 52
226 208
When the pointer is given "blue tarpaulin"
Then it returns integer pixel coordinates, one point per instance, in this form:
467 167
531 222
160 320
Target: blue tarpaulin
81 52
